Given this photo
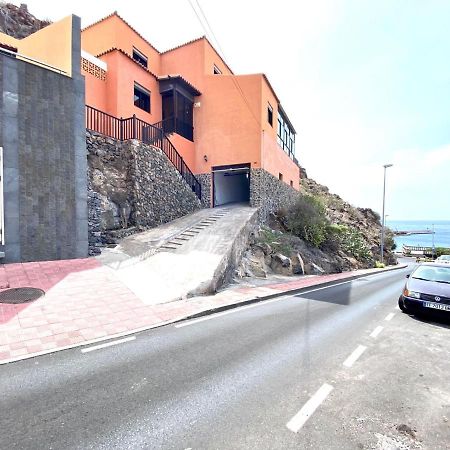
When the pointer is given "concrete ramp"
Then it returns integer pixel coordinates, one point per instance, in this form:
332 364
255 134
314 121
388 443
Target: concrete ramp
193 255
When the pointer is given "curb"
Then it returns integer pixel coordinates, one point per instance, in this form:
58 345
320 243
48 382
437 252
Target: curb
206 312
210 311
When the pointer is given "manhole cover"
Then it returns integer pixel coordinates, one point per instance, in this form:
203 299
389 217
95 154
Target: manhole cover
20 295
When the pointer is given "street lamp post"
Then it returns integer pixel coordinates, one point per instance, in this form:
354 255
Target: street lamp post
383 216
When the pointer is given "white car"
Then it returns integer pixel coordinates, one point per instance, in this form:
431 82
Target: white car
443 259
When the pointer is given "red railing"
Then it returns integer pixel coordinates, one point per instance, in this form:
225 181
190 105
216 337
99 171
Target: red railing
134 128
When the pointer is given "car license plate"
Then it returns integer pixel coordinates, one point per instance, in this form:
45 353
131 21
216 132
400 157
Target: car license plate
436 306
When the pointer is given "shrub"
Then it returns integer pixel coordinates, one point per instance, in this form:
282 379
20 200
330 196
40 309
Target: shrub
439 251
353 242
379 265
307 220
275 240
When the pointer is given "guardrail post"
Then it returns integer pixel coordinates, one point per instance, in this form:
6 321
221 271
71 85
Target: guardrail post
121 128
134 126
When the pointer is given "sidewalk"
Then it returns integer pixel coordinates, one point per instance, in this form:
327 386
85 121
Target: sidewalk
86 302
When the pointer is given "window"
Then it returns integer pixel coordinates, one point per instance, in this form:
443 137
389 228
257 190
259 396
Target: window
280 176
285 134
217 71
292 183
141 97
140 57
270 114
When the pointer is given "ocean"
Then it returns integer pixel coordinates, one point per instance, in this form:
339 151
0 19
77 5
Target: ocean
441 235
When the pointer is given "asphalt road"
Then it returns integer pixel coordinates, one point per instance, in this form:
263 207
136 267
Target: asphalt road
335 368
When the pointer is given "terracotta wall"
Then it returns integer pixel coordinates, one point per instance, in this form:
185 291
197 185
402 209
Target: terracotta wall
187 61
120 78
114 32
274 159
225 129
185 148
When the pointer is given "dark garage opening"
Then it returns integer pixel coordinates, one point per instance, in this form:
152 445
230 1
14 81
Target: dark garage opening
231 184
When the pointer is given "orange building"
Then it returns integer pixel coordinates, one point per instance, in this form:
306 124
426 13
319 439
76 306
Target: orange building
229 129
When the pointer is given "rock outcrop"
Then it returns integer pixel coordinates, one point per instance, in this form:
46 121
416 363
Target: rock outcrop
273 250
17 22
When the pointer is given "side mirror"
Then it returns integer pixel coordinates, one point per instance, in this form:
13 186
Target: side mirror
407 276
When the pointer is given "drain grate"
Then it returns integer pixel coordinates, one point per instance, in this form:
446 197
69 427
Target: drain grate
20 295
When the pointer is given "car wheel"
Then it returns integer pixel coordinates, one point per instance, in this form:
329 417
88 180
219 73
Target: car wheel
402 306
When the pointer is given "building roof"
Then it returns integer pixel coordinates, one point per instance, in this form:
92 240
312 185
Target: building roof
115 49
191 88
115 13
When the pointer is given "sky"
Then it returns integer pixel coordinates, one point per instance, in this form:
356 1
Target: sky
364 82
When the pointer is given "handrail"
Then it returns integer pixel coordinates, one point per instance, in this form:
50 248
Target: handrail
134 128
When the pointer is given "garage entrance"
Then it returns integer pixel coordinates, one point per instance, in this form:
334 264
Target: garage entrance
231 184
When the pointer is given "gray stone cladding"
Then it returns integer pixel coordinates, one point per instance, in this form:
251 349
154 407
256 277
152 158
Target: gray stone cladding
205 181
268 193
132 187
43 138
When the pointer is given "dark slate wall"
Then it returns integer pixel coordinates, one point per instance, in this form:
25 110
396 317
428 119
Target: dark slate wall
43 138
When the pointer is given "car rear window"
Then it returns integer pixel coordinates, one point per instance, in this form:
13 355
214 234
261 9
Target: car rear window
432 273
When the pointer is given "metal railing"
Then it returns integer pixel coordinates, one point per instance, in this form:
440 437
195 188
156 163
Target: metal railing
176 125
134 128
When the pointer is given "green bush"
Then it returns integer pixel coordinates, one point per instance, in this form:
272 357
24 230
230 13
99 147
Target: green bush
275 240
353 242
442 251
307 220
379 265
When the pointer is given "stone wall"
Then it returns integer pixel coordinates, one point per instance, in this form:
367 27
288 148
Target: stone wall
205 181
132 186
160 193
43 138
268 193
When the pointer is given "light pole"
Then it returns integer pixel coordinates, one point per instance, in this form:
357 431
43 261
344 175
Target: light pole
383 216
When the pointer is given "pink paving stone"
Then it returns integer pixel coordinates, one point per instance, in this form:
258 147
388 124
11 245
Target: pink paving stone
16 345
49 345
63 342
18 352
92 333
5 355
35 348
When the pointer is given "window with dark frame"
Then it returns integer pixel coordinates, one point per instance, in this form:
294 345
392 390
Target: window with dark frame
140 57
292 183
280 176
270 114
141 97
285 135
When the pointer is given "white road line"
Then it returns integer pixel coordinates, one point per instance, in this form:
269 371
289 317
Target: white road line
376 332
389 316
263 302
296 423
107 344
355 355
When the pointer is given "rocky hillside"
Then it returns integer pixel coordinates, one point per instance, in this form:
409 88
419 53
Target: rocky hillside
352 242
16 21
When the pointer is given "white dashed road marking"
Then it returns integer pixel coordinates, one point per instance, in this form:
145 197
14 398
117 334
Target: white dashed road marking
355 355
376 332
296 423
107 344
389 316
